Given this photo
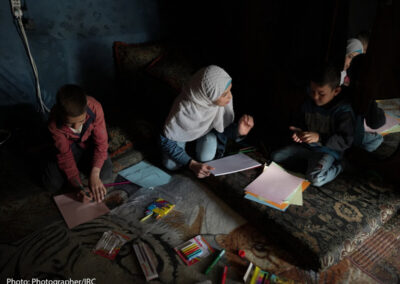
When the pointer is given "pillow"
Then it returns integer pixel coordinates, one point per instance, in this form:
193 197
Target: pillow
173 67
121 149
118 141
132 58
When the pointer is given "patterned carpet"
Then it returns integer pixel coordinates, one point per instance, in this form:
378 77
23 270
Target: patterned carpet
54 252
35 242
379 256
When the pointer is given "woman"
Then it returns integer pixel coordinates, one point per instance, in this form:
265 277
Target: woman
203 112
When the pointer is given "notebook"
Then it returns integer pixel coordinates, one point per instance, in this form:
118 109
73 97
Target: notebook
145 174
232 164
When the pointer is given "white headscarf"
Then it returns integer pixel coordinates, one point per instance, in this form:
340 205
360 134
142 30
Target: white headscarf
193 113
354 45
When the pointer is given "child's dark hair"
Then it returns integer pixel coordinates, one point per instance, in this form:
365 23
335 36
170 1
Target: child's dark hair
326 75
71 101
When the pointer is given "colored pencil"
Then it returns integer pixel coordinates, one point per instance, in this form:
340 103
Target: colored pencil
224 275
117 183
215 261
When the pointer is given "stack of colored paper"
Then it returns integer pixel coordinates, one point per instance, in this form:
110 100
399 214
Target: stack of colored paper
391 107
391 126
277 188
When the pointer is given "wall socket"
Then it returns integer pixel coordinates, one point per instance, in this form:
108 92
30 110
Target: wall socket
16 8
15 4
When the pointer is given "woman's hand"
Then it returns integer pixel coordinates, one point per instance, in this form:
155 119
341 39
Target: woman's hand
246 123
201 170
96 185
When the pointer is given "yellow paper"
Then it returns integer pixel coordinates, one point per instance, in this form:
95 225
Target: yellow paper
297 197
394 129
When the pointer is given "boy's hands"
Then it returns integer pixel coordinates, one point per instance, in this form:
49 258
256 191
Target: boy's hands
301 136
309 137
201 170
96 185
246 123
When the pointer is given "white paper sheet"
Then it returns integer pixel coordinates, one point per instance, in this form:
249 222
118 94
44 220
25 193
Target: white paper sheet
232 164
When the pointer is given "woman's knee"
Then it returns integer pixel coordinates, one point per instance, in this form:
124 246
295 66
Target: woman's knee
171 164
206 147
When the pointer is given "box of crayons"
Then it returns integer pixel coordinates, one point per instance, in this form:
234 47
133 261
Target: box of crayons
159 208
254 275
194 250
147 260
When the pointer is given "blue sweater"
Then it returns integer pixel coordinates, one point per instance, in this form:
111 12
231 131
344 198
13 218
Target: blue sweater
334 122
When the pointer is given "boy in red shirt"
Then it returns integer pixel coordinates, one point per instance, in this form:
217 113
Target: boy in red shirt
80 137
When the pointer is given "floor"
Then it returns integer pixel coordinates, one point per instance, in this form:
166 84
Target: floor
35 242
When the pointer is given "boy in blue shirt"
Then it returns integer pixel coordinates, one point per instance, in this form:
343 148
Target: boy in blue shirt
322 131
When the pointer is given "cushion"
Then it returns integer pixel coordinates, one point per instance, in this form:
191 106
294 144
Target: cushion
118 141
174 68
133 58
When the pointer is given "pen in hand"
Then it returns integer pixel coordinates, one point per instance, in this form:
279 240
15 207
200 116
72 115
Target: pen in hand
83 191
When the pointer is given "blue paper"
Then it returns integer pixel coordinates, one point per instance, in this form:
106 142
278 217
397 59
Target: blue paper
145 175
252 198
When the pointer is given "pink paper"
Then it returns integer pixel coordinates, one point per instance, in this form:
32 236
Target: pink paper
274 184
390 122
76 212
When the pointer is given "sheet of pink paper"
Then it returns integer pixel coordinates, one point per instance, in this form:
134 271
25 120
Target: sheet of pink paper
274 184
76 212
390 122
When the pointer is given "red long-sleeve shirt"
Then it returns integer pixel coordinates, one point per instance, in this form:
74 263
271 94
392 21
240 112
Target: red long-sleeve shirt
63 138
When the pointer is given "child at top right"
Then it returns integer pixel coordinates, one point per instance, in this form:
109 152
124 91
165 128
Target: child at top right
365 109
354 48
